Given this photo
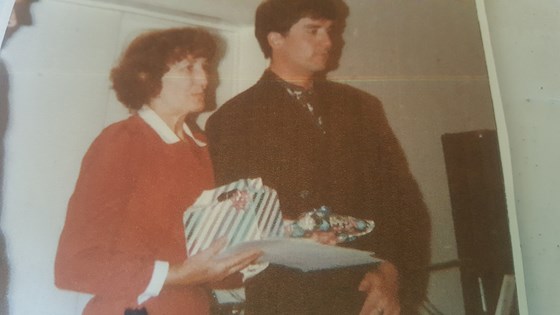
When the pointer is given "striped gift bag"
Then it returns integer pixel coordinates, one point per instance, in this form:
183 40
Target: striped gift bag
243 210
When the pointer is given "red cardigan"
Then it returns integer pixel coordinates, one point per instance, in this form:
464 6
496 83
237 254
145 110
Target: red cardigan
126 213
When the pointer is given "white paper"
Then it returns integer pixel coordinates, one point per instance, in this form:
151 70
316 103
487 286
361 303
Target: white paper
306 255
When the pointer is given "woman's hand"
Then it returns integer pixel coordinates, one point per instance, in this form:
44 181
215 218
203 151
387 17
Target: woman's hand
206 267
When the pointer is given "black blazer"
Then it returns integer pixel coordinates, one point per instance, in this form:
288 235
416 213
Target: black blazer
357 167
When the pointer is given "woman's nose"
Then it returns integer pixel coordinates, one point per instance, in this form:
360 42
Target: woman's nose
201 78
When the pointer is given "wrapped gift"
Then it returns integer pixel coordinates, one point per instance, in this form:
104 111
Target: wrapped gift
244 210
346 228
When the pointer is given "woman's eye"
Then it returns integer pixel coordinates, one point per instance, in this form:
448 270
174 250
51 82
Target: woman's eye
185 70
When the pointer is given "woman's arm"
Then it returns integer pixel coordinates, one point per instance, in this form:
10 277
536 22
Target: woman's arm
88 258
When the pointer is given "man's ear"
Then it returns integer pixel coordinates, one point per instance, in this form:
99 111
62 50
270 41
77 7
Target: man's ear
275 39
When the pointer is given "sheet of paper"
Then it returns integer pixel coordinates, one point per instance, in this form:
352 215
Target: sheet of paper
306 255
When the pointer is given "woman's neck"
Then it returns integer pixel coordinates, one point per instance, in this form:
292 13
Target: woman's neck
173 121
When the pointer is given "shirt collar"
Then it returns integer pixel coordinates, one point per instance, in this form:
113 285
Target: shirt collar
161 128
287 85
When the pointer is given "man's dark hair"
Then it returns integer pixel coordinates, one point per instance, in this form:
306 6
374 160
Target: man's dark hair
280 15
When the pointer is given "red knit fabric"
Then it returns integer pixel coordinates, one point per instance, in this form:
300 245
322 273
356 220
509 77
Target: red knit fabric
126 213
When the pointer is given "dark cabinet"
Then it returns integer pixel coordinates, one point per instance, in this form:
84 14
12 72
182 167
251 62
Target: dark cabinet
480 217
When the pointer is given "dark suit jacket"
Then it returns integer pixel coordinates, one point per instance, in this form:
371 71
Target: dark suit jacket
357 167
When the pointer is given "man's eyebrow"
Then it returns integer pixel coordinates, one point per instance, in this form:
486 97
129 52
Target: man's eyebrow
317 25
313 25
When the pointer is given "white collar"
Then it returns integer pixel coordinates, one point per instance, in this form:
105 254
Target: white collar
161 128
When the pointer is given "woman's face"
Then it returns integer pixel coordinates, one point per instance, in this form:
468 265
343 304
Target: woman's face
183 87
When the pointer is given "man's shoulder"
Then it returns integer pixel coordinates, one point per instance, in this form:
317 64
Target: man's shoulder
349 99
244 99
264 90
244 104
341 89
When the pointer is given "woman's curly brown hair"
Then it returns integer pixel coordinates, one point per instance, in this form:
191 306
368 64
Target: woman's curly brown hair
137 77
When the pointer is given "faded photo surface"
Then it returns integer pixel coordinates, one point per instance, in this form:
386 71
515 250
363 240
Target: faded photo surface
417 68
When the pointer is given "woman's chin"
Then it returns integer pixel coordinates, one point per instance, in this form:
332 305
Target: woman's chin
198 107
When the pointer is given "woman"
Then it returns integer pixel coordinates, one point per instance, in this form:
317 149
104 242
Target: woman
123 239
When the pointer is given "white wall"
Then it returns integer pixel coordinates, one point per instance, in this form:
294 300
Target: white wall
50 126
60 100
526 42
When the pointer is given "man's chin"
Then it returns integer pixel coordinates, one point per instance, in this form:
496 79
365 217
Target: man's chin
319 68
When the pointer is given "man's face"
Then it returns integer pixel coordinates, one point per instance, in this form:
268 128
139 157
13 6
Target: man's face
305 48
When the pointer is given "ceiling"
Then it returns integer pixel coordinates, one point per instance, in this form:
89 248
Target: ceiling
239 12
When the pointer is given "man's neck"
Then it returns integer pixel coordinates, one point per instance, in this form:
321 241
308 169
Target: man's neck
303 80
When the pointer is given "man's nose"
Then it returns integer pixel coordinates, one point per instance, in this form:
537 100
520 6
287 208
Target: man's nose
326 40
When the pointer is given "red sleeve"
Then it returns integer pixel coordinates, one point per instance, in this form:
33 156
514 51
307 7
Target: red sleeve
89 258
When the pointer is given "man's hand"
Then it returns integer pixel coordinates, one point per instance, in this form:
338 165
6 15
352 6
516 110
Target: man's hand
206 267
382 287
328 238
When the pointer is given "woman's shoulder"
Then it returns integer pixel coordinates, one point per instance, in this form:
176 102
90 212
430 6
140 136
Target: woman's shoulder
128 127
122 134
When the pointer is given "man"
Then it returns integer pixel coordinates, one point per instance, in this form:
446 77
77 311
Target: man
322 143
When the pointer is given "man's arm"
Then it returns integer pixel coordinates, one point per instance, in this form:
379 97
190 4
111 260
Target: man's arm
403 229
382 288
